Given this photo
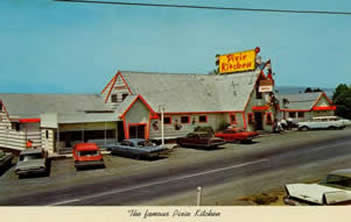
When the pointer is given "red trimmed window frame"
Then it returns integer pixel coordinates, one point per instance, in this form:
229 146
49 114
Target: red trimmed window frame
188 122
269 118
167 117
250 118
206 119
232 118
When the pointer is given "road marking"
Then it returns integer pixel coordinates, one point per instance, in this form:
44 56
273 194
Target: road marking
158 182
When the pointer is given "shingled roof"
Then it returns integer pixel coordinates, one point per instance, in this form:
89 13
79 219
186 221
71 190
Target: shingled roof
32 105
301 101
193 92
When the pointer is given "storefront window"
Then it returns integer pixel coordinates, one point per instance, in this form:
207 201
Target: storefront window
292 114
232 119
203 119
185 119
301 114
167 120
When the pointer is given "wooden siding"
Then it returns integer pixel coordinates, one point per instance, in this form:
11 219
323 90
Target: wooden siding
48 143
12 139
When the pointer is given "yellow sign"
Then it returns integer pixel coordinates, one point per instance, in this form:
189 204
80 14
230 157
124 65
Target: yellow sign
237 62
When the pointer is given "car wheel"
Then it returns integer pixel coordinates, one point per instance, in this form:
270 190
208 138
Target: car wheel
304 128
332 128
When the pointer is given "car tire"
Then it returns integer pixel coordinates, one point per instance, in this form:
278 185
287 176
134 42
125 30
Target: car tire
304 128
332 128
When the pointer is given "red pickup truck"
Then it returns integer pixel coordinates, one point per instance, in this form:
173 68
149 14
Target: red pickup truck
87 155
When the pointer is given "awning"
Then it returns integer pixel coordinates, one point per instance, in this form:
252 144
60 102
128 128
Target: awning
323 108
30 120
260 108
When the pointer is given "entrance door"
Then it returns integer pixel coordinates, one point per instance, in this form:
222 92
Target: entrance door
137 131
120 131
258 121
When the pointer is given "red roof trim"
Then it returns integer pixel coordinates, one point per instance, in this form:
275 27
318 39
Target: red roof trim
259 108
109 83
134 101
30 120
201 112
295 110
323 108
112 85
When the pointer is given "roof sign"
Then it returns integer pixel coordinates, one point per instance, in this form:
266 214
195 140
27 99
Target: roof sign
237 62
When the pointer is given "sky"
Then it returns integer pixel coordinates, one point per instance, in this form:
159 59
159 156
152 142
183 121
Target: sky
57 47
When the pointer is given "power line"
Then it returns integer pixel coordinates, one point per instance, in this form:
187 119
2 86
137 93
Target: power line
262 10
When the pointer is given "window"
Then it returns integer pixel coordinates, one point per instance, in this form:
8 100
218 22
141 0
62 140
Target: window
167 120
269 120
292 114
114 98
203 119
124 95
185 119
47 134
250 117
0 106
301 114
232 118
15 126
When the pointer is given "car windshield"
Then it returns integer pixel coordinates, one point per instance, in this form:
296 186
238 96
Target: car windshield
145 143
33 156
337 181
88 153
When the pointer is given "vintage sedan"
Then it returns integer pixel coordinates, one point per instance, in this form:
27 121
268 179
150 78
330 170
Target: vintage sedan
200 140
322 122
334 189
138 148
236 135
32 161
5 160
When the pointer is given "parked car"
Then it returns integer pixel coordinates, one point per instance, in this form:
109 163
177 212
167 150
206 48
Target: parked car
200 140
139 148
334 189
5 160
322 122
87 155
32 161
236 135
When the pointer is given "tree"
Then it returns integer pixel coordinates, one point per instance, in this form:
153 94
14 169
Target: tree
342 100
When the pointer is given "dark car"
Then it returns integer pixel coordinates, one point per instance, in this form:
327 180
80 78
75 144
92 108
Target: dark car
200 140
5 160
139 148
237 135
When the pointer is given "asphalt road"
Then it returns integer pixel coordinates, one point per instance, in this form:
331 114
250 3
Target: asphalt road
227 179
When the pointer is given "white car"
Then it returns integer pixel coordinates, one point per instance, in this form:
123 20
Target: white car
323 122
334 189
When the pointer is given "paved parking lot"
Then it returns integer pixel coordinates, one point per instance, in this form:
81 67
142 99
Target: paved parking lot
64 174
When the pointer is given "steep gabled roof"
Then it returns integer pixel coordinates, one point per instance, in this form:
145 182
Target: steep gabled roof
193 92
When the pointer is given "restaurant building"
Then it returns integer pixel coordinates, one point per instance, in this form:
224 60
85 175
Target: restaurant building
132 103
